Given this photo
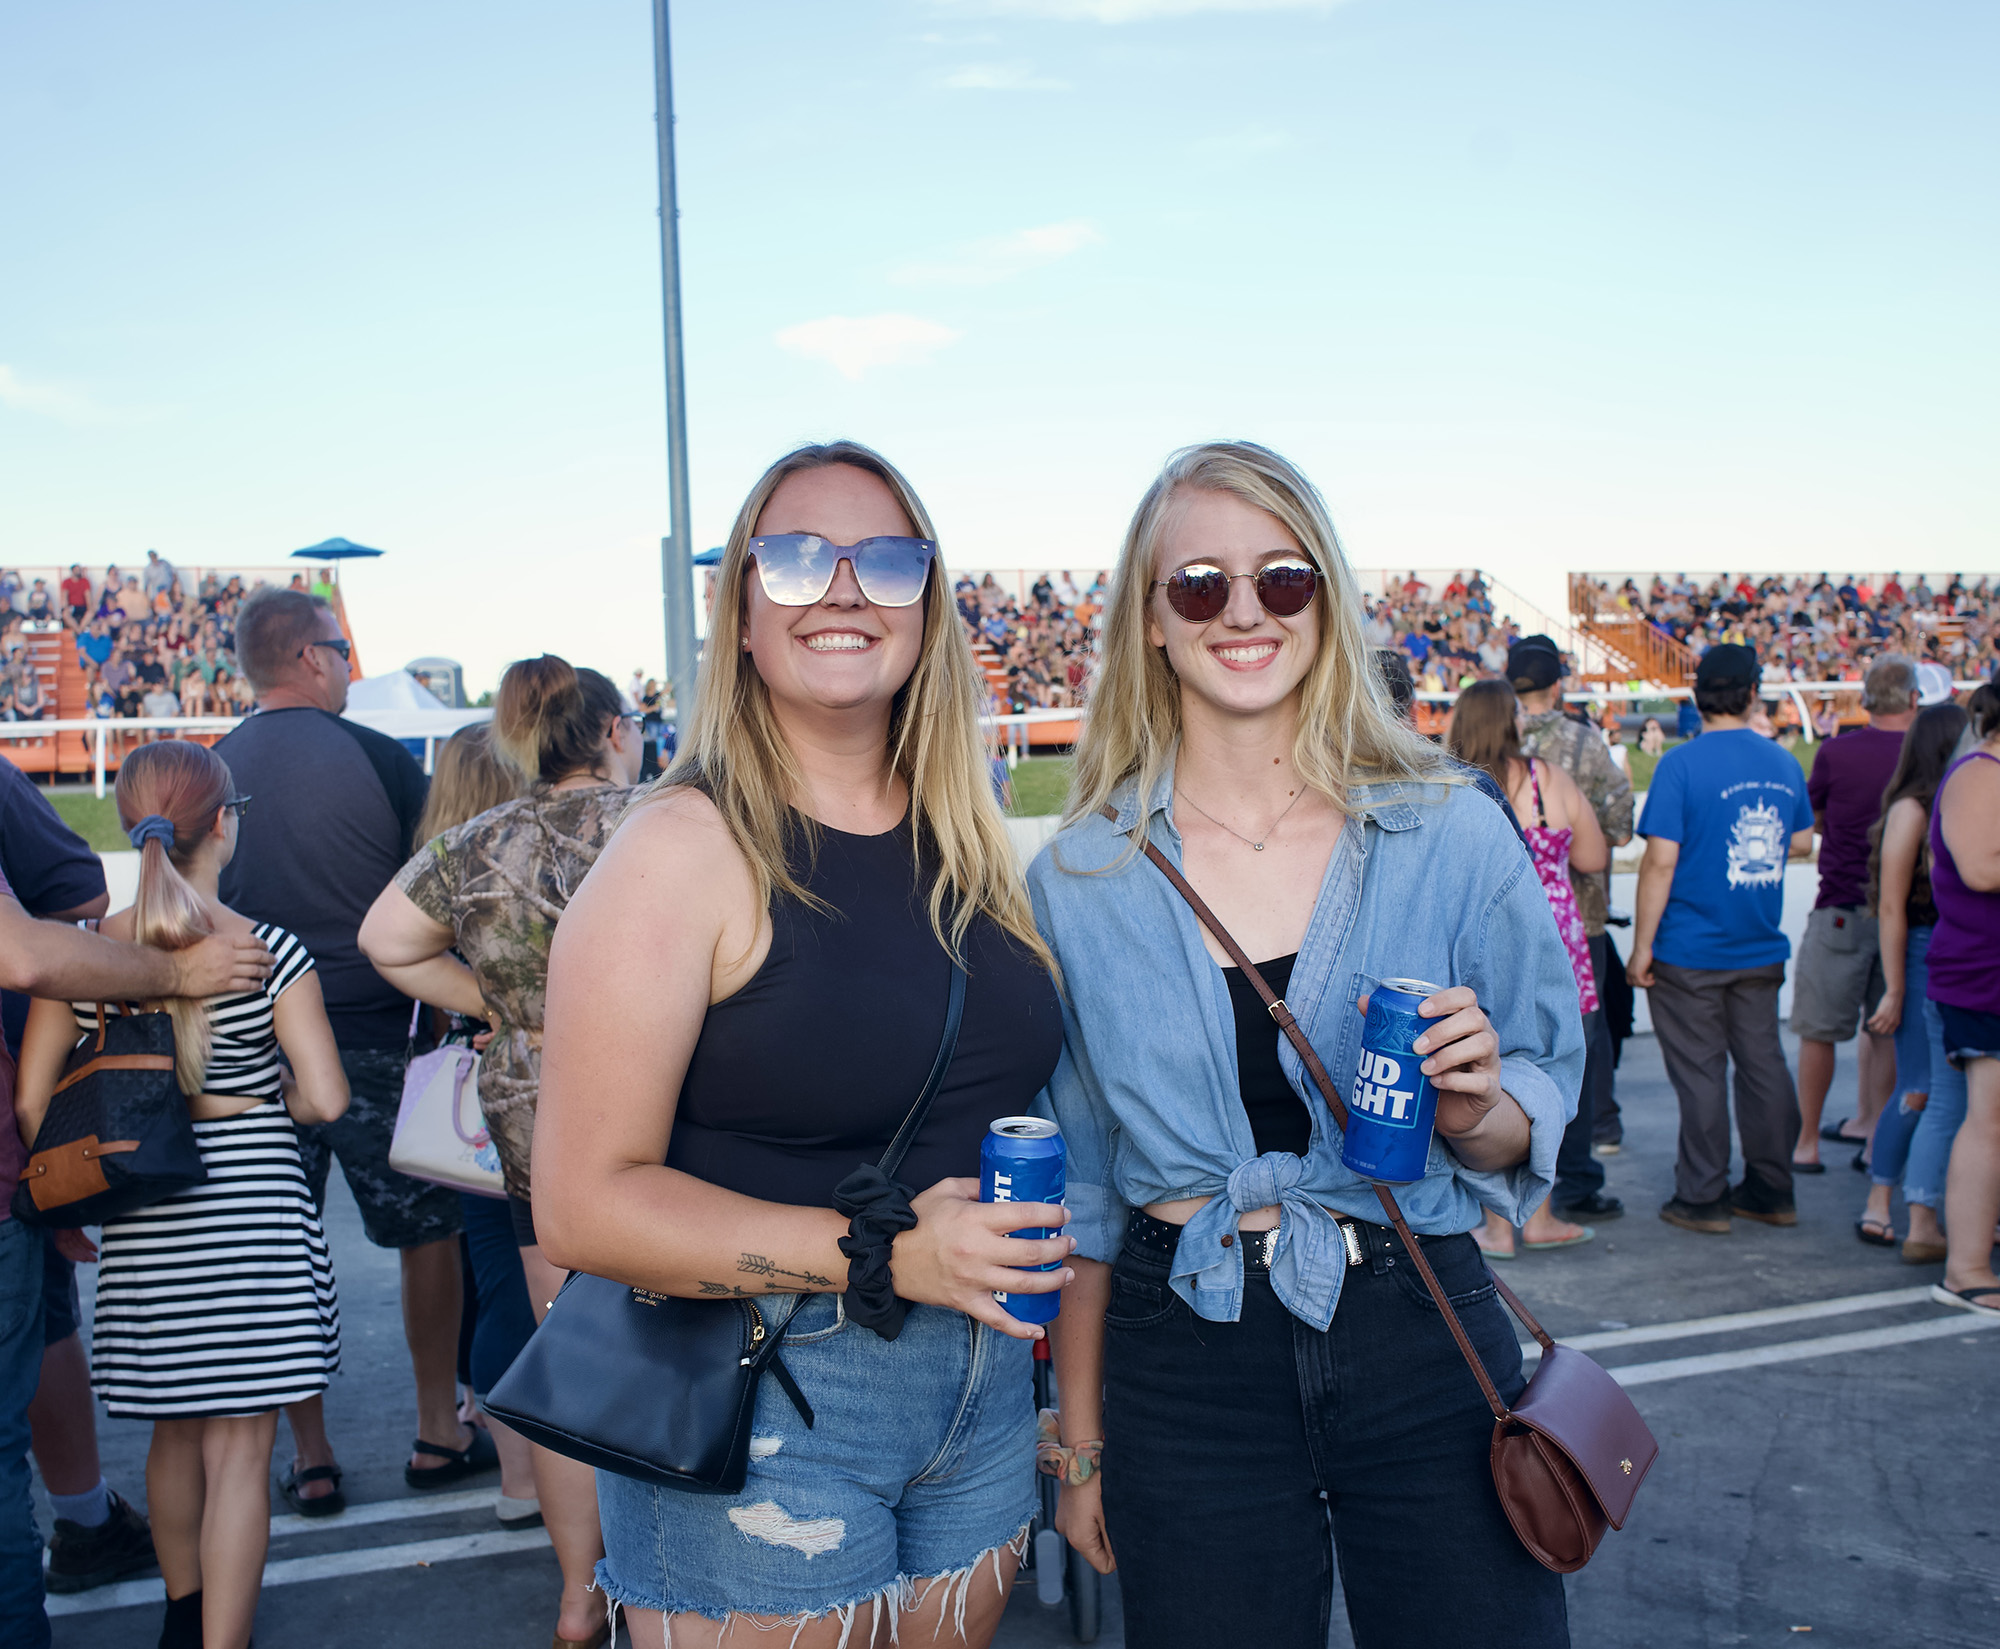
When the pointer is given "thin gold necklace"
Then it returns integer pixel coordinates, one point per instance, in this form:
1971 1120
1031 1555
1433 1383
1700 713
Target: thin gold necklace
1212 819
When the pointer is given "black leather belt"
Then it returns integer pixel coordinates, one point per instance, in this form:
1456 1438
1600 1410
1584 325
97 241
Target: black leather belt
1160 1239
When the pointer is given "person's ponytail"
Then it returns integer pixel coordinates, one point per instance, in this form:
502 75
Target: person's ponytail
168 796
550 718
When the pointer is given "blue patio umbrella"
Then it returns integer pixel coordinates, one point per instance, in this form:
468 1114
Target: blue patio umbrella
335 549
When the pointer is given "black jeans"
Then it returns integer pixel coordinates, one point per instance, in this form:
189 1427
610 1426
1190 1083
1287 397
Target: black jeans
1242 1459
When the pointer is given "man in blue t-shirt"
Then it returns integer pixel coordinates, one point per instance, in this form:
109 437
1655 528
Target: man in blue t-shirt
1725 813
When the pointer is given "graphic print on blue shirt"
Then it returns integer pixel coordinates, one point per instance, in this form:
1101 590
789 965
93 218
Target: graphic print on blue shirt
1732 800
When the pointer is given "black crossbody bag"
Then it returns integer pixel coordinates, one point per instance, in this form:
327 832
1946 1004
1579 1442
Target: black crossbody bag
661 1388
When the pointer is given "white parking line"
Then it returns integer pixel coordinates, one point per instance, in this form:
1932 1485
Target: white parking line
1788 1351
1731 1322
383 1511
290 1571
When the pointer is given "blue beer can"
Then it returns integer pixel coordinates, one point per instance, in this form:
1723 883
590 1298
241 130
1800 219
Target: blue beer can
1022 1160
1392 1106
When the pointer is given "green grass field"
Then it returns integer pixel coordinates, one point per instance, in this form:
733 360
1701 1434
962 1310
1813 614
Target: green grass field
93 818
1040 784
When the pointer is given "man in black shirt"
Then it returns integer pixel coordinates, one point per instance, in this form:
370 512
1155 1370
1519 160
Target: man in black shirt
99 1538
336 808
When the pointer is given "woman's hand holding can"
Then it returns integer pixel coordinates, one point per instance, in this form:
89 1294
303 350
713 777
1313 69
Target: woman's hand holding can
959 1255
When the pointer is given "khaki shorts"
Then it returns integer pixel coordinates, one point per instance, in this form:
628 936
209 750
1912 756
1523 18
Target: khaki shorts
1838 980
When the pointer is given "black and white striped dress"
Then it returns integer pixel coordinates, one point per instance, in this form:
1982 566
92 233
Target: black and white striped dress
220 1300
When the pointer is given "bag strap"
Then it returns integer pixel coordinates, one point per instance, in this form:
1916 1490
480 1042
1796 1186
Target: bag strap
1275 1005
892 1159
954 1011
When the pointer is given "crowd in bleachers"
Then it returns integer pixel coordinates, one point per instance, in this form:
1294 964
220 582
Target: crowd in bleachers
1825 628
1043 644
148 641
1452 637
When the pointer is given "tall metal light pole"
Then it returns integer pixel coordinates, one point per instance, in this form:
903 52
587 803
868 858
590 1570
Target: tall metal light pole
676 569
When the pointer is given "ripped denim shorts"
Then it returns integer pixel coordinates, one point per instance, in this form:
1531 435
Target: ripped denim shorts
919 1468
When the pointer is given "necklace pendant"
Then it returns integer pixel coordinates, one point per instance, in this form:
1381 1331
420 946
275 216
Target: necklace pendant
1258 846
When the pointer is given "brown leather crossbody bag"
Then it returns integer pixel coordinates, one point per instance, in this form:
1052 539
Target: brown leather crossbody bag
1570 1453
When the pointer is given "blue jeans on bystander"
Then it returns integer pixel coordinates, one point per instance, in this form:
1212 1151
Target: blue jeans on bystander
24 1624
1937 1125
1897 1125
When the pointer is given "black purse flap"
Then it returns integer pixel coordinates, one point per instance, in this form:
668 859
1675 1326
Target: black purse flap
699 1383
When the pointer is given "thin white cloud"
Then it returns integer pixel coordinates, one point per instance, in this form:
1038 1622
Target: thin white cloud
1015 76
45 400
1226 148
854 345
996 258
1121 11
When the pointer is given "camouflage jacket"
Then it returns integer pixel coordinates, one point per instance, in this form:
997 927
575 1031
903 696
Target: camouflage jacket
1582 753
500 882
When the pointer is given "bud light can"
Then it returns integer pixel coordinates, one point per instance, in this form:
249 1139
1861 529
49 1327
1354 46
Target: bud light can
1022 1160
1392 1105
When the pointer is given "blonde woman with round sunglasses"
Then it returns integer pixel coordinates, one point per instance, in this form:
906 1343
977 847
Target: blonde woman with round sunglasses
750 988
1273 1375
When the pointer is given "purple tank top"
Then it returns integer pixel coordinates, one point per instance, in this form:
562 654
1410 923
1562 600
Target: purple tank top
1963 943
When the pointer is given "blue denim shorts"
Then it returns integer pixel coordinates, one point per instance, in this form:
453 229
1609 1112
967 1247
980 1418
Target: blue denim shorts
1969 1034
920 1467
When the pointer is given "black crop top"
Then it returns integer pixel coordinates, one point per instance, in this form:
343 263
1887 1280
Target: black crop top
1278 1117
808 1070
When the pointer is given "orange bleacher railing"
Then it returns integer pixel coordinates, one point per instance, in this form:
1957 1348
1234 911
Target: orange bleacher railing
1635 648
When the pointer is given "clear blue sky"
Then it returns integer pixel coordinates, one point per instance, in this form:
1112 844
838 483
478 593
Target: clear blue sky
1536 286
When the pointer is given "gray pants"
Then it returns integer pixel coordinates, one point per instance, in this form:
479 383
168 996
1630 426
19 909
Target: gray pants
1705 1018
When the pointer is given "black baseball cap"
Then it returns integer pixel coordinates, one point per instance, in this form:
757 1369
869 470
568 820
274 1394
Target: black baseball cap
1728 664
1533 663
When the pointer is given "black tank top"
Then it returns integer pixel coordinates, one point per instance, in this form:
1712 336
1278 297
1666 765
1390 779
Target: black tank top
808 1070
1279 1120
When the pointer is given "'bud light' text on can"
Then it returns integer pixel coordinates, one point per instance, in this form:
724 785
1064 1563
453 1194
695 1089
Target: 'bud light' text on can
1022 1160
1391 1105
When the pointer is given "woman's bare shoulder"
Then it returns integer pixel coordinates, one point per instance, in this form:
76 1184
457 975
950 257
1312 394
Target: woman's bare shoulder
679 842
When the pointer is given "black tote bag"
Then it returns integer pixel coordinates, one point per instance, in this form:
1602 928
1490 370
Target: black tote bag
117 1135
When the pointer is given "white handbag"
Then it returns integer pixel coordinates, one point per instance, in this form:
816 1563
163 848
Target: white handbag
440 1134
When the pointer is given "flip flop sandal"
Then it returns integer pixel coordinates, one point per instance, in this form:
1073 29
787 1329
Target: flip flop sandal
1500 1253
1587 1234
477 1456
1879 1232
1832 1131
1982 1302
1922 1253
322 1505
1809 1168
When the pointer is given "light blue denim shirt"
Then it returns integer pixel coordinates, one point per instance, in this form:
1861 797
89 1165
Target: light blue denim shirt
1426 882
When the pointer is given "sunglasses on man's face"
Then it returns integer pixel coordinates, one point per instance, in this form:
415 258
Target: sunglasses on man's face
797 568
342 647
1200 590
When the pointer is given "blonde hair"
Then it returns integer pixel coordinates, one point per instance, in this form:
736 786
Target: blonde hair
469 778
550 718
735 753
1348 731
186 784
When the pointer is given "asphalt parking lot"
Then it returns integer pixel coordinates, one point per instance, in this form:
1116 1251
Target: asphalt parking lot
1827 1449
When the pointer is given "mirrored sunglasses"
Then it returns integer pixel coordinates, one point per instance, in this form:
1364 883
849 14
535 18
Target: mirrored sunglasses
1200 590
797 568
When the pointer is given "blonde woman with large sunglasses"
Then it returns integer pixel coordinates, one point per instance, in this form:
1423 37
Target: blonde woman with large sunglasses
1277 1385
750 987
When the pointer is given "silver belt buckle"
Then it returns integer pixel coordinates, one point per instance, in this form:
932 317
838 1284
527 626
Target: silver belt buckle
1351 1236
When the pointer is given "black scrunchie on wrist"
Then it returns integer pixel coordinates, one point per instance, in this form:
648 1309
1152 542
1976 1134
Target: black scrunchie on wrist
876 1207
